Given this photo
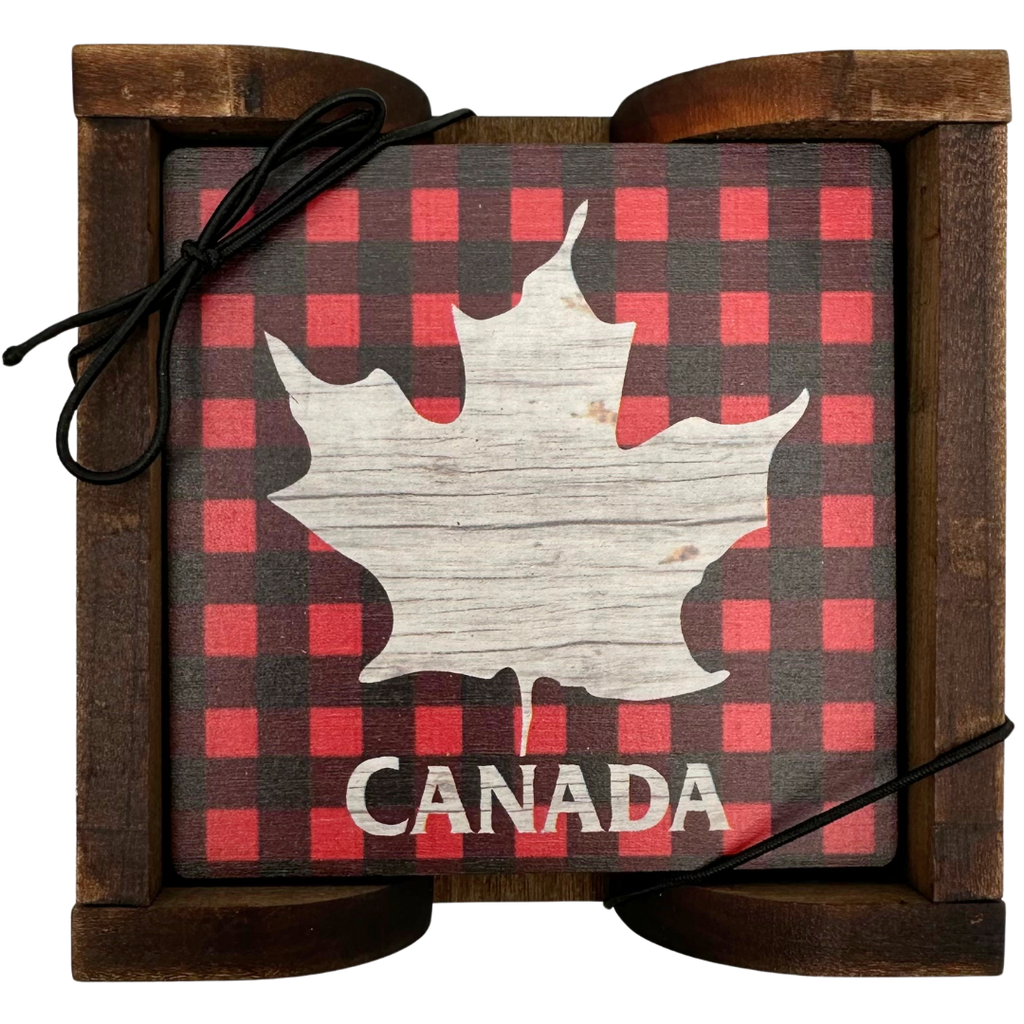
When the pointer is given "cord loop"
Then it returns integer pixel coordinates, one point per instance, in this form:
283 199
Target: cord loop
356 135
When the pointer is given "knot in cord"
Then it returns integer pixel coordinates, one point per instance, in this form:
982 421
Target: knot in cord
207 256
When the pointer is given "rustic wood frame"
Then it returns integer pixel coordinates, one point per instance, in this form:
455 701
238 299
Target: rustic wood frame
937 909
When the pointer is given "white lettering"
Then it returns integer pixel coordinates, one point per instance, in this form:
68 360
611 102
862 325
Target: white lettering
698 777
570 780
355 798
492 785
440 783
619 789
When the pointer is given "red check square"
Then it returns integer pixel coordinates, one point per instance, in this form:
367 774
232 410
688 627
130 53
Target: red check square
229 423
848 726
227 320
333 216
847 318
435 214
332 321
438 410
848 521
641 214
535 215
333 835
314 543
232 835
747 625
743 318
229 526
438 842
743 408
229 630
232 732
846 213
651 842
210 199
747 727
547 729
853 834
438 730
335 629
761 538
649 311
640 418
743 214
748 824
335 732
433 322
848 624
847 419
543 844
644 728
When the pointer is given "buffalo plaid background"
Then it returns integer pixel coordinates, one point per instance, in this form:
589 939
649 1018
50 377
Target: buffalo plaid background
752 272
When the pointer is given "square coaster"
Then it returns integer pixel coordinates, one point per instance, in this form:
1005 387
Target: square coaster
497 697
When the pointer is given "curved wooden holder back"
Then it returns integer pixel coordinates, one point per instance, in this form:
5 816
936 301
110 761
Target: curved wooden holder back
938 909
942 115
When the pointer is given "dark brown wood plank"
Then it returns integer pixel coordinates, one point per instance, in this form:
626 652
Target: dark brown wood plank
839 928
956 179
232 932
229 85
507 130
872 94
119 534
520 888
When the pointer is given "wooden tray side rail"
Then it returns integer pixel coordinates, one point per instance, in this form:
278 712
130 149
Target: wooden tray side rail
937 911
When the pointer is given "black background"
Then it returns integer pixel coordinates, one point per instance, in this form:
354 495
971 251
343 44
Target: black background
521 951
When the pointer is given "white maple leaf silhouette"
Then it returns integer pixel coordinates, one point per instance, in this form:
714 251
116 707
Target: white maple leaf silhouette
521 535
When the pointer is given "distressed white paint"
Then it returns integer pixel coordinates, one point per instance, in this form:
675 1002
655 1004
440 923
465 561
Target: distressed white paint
521 535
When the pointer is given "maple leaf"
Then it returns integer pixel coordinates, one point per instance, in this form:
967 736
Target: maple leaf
520 534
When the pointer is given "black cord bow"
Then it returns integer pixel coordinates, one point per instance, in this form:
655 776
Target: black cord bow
357 135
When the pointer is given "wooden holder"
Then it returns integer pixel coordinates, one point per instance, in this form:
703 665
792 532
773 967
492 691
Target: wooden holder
937 909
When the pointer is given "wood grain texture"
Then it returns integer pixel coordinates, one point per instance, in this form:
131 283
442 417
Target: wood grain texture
119 534
956 177
522 887
508 130
238 89
851 94
233 932
825 928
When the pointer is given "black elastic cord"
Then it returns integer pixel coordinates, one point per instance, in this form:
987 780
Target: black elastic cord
357 136
716 867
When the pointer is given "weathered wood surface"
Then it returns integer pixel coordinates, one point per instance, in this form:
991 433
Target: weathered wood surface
205 933
188 88
120 596
521 535
850 94
955 534
829 928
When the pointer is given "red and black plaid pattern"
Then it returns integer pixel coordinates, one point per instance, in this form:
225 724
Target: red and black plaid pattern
752 271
